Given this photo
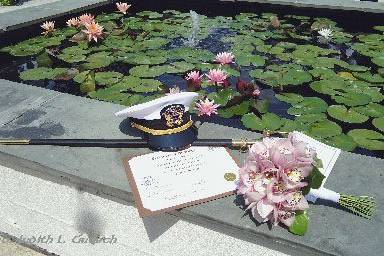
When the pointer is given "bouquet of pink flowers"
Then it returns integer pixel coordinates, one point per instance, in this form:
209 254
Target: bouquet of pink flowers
275 178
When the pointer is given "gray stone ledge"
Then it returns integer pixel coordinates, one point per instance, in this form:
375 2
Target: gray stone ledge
19 18
350 5
331 232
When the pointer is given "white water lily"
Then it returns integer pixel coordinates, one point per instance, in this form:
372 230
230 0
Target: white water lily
325 32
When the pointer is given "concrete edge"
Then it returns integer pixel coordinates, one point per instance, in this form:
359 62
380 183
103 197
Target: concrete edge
51 12
126 198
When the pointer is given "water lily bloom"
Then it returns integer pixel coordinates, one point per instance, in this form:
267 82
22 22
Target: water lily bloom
94 31
275 22
206 107
123 7
86 19
194 77
74 22
224 58
256 92
49 27
217 76
326 33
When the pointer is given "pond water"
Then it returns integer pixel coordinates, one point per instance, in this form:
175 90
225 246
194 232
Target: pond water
313 75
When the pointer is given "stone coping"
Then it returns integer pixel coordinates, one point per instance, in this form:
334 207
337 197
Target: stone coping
350 5
27 111
21 17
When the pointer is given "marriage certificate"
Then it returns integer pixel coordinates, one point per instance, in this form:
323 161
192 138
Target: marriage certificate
163 181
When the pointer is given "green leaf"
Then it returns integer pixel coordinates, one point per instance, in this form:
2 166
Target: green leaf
89 84
262 106
352 99
368 139
342 141
107 78
316 178
98 60
291 98
42 73
369 77
379 61
341 113
379 123
223 96
372 109
324 129
248 59
44 60
271 121
311 118
237 110
79 78
310 105
251 121
300 225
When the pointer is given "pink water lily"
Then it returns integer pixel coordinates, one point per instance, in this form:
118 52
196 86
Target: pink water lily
224 58
217 76
194 78
174 90
206 107
123 7
94 31
86 19
49 27
74 22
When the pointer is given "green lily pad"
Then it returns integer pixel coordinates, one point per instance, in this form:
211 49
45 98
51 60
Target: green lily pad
291 98
253 122
372 109
79 78
342 141
350 67
369 77
310 105
237 110
223 96
98 60
89 84
291 125
44 60
352 99
368 139
42 73
324 129
341 113
247 60
379 61
146 71
111 94
379 123
107 78
108 17
271 121
300 225
136 84
311 118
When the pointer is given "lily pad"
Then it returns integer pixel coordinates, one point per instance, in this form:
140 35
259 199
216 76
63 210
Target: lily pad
146 71
136 84
247 60
379 61
223 96
369 77
379 123
311 118
107 78
342 141
42 73
372 109
325 129
341 113
310 105
111 94
291 98
89 84
98 60
368 139
271 121
352 99
237 110
253 122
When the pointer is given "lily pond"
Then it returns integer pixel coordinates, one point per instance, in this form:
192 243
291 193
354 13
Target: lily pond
288 73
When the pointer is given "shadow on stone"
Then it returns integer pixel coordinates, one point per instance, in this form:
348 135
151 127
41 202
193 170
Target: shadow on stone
157 225
88 220
125 127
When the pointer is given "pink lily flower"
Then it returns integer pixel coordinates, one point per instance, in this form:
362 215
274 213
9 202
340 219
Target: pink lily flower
94 31
49 27
217 76
123 7
206 107
74 22
194 78
224 58
86 19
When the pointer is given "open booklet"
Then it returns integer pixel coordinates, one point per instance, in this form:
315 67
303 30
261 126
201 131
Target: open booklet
164 181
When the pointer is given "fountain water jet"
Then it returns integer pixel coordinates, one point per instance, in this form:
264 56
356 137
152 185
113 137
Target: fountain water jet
192 39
